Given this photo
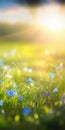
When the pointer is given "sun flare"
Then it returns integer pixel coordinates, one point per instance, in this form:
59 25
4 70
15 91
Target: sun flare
51 19
52 22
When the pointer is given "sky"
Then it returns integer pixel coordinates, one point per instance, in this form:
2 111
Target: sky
6 3
9 3
11 11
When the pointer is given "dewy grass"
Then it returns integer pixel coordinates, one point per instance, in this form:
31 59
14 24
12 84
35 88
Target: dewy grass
32 87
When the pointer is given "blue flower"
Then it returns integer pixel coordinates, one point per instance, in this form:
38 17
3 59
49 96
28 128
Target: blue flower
1 102
1 62
21 98
26 111
1 81
30 80
11 93
46 94
60 66
52 75
55 90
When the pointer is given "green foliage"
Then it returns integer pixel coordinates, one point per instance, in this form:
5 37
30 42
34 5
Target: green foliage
37 75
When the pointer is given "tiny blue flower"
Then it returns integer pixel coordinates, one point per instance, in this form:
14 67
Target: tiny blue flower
1 62
11 93
55 90
60 66
21 98
52 75
30 80
46 94
1 102
26 111
1 81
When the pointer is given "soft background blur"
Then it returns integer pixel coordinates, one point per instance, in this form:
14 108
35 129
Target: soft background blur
32 64
35 21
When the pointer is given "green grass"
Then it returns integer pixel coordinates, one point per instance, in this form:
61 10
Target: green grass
18 63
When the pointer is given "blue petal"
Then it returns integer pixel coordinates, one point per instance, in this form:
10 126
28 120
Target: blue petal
11 93
52 75
1 102
55 90
46 94
26 111
1 63
1 81
21 98
30 80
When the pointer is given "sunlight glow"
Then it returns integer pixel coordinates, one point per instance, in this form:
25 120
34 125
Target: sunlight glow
45 16
53 22
51 18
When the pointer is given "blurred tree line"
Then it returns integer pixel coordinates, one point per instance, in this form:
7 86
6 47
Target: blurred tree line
30 2
39 1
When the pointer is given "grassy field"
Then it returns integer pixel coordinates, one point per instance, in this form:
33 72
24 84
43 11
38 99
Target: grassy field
32 86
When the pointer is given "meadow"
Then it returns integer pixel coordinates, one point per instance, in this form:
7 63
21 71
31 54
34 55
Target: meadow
32 86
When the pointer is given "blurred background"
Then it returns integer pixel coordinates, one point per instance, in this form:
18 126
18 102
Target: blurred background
34 21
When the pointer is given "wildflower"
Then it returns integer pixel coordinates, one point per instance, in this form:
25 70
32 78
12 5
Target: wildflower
30 80
55 90
11 93
52 75
26 111
46 94
1 81
1 102
21 98
1 63
60 66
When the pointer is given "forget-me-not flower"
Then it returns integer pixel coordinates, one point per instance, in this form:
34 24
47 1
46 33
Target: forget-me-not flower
26 111
1 102
52 75
21 98
30 80
55 90
11 93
